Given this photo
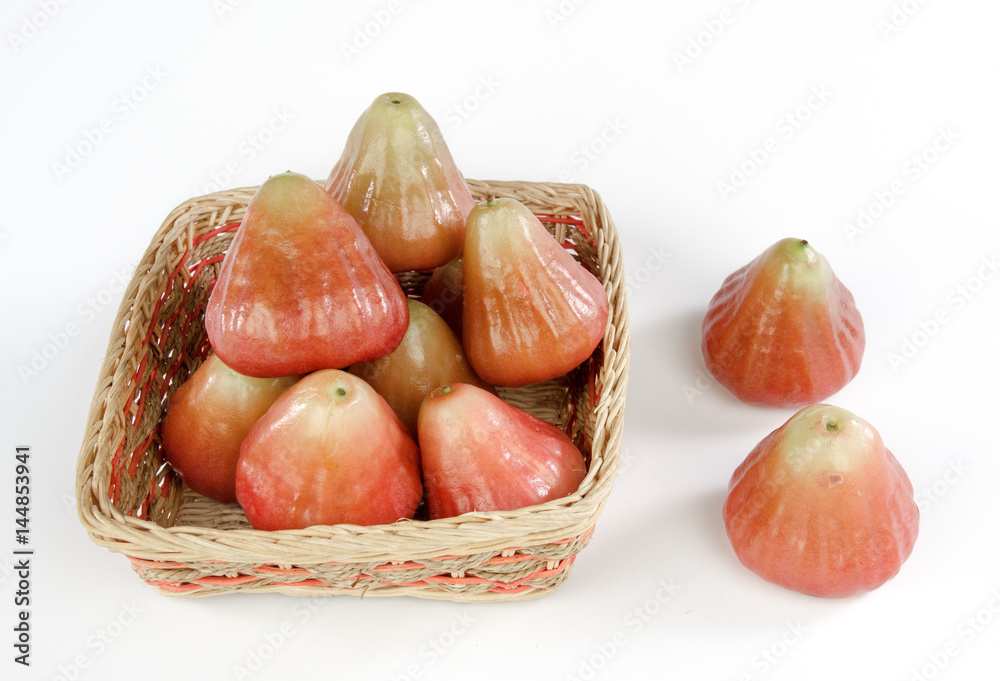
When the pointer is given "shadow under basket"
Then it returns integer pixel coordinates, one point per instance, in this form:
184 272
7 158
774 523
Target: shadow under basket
131 502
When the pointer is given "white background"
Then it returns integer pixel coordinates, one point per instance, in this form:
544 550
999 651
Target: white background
587 91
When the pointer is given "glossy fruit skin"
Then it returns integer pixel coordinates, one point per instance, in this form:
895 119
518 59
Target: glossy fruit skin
820 506
783 330
429 357
329 451
207 419
444 292
301 288
481 454
398 179
531 312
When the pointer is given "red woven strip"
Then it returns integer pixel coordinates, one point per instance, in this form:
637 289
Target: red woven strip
134 460
115 467
540 574
241 579
156 564
230 227
310 582
409 565
174 587
577 222
205 263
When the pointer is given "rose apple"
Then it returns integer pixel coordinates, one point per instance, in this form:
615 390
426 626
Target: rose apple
481 454
531 312
429 357
783 330
328 451
206 420
821 506
301 288
398 179
443 293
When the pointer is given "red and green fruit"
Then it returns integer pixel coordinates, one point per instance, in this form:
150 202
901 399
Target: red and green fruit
301 288
206 420
330 450
429 357
783 330
531 312
820 506
398 179
481 454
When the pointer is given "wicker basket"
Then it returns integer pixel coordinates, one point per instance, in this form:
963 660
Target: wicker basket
184 544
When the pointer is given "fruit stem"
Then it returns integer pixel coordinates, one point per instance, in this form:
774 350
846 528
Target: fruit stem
493 203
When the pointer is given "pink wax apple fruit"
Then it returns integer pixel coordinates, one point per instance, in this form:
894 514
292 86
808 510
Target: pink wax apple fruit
328 451
207 419
783 330
398 179
301 288
531 312
429 357
820 506
481 454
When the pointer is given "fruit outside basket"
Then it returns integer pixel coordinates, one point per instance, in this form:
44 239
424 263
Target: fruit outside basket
183 544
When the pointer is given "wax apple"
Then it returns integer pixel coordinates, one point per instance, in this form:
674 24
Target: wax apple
783 330
443 292
821 506
301 288
429 357
328 451
207 419
481 454
398 179
530 311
